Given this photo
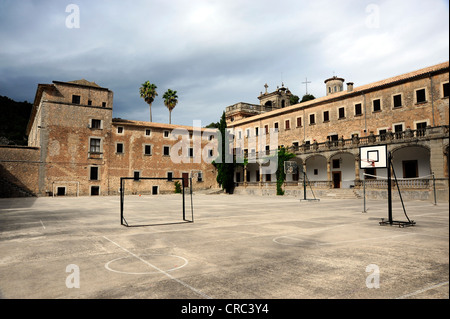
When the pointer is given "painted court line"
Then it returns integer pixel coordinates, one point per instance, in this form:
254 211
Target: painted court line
160 270
423 290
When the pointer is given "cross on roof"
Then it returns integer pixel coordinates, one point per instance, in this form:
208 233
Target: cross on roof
306 82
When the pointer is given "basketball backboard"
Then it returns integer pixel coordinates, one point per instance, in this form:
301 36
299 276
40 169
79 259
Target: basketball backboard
373 156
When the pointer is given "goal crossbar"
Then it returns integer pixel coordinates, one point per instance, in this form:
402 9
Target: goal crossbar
182 179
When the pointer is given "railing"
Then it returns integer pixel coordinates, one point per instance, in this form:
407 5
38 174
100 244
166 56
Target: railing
388 137
248 107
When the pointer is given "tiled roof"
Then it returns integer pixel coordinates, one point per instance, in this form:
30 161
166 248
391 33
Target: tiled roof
85 83
342 94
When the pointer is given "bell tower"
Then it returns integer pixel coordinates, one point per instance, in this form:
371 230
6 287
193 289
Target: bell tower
334 85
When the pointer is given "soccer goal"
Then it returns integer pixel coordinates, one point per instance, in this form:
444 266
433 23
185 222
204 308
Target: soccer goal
151 201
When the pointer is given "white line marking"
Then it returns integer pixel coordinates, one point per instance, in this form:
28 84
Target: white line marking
144 273
160 270
423 290
42 224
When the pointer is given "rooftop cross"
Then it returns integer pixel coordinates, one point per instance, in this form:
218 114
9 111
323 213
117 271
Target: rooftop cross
306 82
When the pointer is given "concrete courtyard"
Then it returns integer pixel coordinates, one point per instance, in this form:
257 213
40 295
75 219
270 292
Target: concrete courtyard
238 247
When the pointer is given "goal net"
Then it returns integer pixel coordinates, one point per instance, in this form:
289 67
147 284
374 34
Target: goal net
151 201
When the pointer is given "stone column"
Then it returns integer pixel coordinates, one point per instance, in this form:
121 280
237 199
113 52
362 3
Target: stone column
330 181
357 179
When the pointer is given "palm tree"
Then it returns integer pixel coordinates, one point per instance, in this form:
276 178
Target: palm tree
170 100
148 92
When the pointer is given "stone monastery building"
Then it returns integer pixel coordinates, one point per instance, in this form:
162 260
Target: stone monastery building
76 147
409 113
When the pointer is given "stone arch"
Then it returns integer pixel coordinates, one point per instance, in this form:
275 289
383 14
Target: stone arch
316 167
411 161
342 169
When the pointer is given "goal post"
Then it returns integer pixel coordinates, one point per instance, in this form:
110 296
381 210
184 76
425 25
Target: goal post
145 199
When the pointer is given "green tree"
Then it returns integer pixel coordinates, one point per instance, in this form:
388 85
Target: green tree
148 92
293 99
283 156
307 97
225 171
170 101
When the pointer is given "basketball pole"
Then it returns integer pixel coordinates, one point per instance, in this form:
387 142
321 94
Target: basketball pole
389 187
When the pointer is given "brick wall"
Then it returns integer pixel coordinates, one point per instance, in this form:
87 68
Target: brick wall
19 168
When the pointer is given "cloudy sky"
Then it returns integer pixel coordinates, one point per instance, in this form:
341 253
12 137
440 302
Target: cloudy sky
214 53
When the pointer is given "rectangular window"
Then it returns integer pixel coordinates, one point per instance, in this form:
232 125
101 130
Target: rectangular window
136 175
336 163
287 125
94 145
326 116
445 90
76 99
103 104
342 113
275 126
89 102
97 124
299 121
93 174
266 127
148 150
312 119
166 134
95 190
247 133
166 150
148 132
397 99
119 148
61 191
119 130
358 109
376 105
256 131
398 129
199 177
421 128
333 139
191 152
169 176
382 134
420 96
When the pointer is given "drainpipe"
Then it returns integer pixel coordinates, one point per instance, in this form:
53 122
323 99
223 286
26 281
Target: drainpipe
432 100
365 115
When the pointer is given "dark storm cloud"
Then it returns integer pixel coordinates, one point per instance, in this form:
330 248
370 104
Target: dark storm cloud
214 53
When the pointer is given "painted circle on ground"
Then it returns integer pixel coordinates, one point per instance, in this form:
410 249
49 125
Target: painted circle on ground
156 262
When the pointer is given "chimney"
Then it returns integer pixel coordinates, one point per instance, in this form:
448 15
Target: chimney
349 86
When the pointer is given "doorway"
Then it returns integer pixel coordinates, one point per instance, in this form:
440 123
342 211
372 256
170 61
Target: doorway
336 179
185 179
154 190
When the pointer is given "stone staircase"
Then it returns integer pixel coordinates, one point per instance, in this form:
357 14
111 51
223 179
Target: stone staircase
342 193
